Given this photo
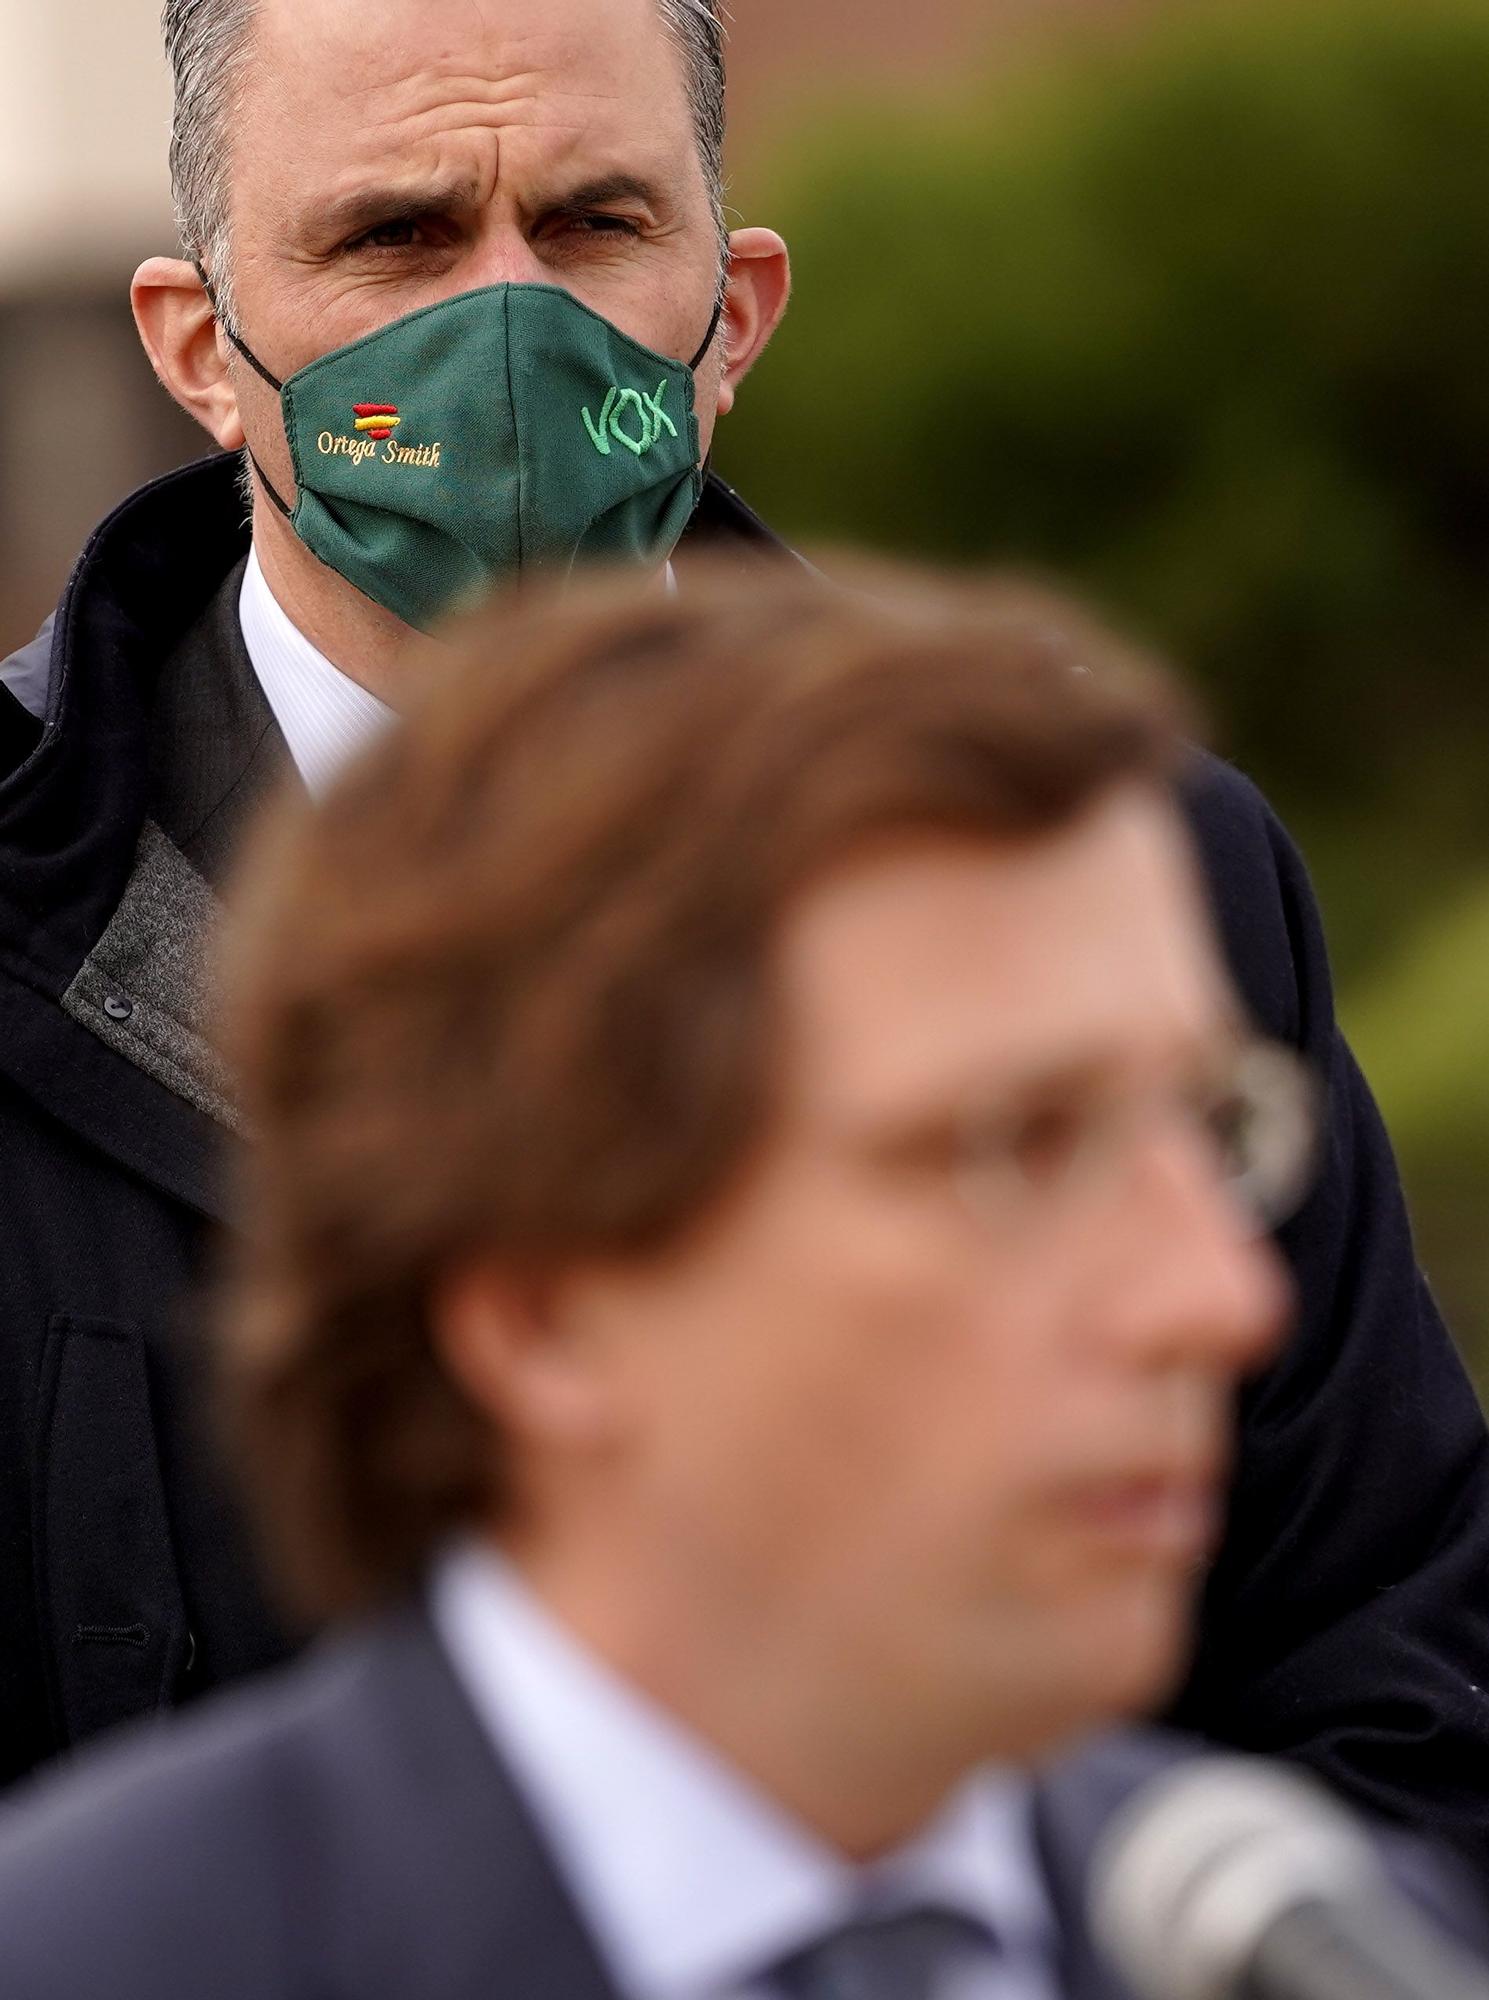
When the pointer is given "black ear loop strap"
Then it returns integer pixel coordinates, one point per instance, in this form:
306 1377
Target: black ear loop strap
242 345
258 368
713 327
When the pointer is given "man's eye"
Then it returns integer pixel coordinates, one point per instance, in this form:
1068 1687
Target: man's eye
600 224
385 236
1045 1143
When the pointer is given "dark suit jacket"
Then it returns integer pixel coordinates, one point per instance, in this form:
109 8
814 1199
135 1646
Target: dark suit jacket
345 1831
1347 1621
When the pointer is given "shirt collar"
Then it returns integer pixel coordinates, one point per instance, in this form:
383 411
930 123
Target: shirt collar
324 715
692 1879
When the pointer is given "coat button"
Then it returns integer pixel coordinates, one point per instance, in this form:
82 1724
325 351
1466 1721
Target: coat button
117 1008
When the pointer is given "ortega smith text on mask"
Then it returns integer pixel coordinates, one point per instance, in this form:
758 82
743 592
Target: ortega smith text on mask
361 449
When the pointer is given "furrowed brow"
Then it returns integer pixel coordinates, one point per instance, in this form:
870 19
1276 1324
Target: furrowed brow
366 207
606 189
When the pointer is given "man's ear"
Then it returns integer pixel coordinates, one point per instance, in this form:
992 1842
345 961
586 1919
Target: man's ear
755 297
521 1359
187 351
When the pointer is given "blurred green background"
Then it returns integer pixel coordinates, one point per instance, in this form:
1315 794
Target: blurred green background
1200 321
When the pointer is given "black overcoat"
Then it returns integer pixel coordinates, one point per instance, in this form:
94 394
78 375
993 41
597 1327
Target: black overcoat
1347 1619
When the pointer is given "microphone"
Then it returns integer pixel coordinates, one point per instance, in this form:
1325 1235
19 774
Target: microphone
1227 1879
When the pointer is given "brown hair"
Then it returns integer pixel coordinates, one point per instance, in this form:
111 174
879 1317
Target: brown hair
506 991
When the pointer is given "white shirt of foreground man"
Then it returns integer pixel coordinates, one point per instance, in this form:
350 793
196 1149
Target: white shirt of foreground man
690 1879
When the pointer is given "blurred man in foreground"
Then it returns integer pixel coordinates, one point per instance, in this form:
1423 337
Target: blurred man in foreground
757 1222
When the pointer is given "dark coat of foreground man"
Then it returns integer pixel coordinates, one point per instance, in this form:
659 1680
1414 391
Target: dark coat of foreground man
348 1830
1347 1621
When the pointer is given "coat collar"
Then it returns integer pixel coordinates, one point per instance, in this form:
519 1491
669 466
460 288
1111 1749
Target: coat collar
101 917
147 988
71 814
216 753
441 1846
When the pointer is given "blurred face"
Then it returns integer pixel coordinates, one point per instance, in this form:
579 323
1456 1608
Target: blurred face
945 1445
392 153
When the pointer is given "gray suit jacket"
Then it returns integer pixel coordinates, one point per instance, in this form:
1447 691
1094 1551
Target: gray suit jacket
345 1831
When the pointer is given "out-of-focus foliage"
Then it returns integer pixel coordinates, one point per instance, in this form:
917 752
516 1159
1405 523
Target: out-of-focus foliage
1419 1028
1199 319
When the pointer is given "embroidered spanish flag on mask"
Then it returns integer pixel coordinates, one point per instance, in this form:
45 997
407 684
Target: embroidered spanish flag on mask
504 431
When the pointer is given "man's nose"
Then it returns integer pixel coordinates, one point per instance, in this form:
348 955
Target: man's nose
503 256
1201 1283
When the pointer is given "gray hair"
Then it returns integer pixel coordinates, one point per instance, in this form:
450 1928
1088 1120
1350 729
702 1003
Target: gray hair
698 32
208 44
207 47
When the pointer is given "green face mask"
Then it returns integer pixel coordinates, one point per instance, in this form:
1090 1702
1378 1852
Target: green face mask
502 431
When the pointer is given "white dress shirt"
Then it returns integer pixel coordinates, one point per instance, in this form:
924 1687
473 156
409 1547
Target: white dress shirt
691 1880
325 717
